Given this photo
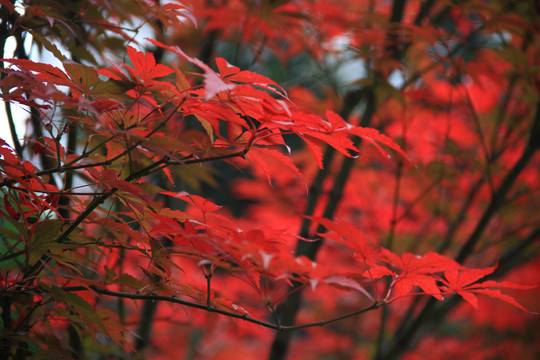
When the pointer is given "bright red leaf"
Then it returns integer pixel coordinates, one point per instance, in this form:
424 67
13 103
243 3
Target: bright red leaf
466 284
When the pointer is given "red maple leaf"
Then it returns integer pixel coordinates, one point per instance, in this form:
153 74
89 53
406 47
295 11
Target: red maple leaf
410 270
347 234
370 135
213 83
231 73
464 282
144 66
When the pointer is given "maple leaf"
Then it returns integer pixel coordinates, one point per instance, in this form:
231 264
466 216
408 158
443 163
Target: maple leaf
45 72
144 66
342 281
349 235
464 282
170 14
413 270
370 135
232 73
375 137
115 72
213 83
205 206
316 151
110 180
261 158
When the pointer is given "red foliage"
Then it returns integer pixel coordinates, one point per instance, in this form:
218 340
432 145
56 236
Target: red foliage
161 206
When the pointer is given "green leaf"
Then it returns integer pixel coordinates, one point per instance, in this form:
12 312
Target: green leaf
86 312
40 39
129 281
112 89
84 76
45 233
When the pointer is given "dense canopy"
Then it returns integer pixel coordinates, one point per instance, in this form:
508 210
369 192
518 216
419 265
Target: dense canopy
281 179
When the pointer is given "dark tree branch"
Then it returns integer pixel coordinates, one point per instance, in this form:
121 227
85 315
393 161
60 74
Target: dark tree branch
235 315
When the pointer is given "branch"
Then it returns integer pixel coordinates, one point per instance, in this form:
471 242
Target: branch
498 198
240 153
69 167
4 34
245 317
433 313
98 200
288 310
